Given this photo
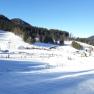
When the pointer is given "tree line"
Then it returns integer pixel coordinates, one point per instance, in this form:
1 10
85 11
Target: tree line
33 34
86 40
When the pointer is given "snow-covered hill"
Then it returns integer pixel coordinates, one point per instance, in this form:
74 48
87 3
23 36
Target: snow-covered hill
10 41
62 58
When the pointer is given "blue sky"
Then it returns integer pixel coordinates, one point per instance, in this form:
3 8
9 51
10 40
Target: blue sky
74 16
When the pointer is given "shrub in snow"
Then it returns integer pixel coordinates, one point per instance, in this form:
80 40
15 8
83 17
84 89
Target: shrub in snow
77 45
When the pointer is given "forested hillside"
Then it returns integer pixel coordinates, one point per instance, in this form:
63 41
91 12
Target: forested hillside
31 33
89 40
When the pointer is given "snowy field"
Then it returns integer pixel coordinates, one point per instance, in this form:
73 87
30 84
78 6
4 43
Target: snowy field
20 77
44 68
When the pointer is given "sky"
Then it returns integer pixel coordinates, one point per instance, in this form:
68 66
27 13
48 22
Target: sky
74 16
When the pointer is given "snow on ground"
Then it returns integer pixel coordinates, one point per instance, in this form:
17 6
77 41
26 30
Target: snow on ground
21 77
62 58
43 69
10 41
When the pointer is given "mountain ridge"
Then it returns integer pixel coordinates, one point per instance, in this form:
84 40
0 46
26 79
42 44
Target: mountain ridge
91 37
18 21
